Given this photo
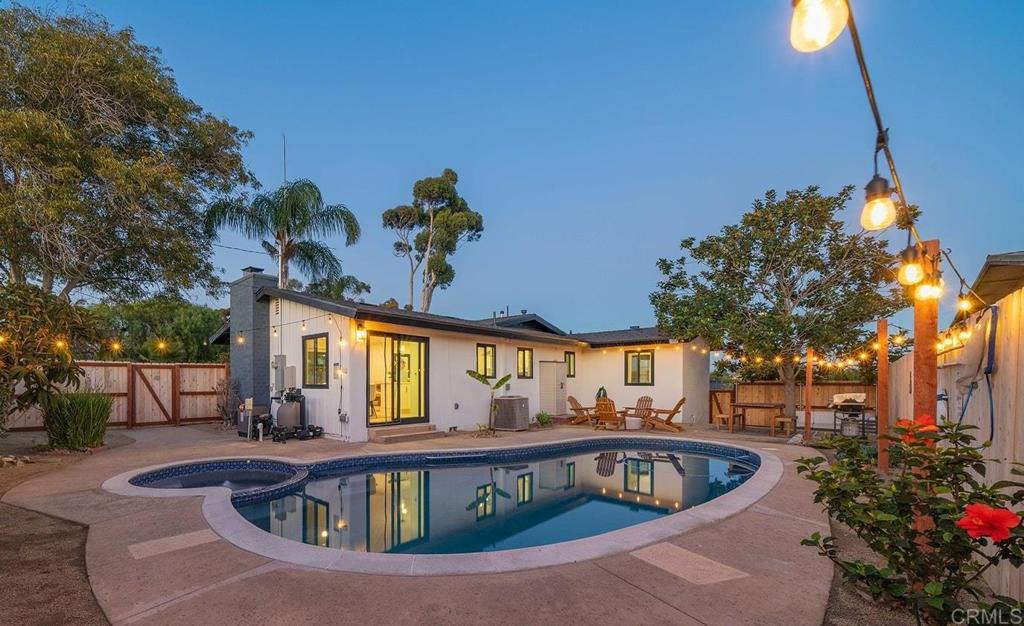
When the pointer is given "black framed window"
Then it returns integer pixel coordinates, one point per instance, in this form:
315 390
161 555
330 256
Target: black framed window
485 501
486 360
639 367
524 488
570 365
524 362
314 361
639 477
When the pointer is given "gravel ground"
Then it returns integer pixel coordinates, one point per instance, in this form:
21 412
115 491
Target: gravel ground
42 559
850 606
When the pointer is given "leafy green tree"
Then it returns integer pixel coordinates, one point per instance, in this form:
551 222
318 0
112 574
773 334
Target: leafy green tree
430 231
786 278
288 220
160 329
40 334
344 287
105 167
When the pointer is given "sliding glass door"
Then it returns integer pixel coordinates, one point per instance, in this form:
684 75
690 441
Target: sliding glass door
396 379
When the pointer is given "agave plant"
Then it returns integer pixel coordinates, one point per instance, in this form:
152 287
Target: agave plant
480 378
287 220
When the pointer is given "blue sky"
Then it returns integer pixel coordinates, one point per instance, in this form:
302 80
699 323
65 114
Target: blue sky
593 136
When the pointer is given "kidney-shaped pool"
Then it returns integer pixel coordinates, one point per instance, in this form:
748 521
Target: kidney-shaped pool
498 500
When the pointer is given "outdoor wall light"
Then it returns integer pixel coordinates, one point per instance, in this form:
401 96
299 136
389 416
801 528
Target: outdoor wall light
817 23
360 332
879 211
911 269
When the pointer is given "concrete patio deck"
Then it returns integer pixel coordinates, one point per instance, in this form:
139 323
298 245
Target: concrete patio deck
155 560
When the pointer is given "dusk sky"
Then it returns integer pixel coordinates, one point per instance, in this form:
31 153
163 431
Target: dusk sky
593 136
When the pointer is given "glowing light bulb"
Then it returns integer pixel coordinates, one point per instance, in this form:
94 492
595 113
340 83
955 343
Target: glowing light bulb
796 358
758 360
964 304
911 269
3 339
161 345
777 359
879 211
863 356
817 23
930 290
947 341
60 344
240 339
874 345
115 346
964 335
899 339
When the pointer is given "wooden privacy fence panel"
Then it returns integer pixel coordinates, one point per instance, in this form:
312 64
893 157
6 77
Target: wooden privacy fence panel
772 392
146 394
1007 402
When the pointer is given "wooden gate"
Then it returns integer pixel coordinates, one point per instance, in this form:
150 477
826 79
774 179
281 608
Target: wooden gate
146 394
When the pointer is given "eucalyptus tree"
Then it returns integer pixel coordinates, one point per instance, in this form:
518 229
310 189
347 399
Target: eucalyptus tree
430 231
287 221
786 278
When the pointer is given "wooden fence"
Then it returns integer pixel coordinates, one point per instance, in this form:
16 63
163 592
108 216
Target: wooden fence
146 394
1007 408
773 392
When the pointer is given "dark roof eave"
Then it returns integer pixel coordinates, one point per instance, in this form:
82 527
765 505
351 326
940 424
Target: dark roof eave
622 342
404 318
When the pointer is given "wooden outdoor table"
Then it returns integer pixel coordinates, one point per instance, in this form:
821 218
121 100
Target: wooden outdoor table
743 406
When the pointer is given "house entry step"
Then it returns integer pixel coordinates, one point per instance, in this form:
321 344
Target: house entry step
408 432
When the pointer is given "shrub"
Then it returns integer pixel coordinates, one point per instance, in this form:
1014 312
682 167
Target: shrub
75 421
39 335
933 521
544 419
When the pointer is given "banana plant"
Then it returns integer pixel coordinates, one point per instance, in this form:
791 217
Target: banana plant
480 378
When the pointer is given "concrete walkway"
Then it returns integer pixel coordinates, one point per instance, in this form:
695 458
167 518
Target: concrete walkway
155 560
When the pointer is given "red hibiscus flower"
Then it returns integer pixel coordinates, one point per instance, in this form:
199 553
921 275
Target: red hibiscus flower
910 436
982 520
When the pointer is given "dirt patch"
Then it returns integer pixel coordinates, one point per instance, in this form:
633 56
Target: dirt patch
43 578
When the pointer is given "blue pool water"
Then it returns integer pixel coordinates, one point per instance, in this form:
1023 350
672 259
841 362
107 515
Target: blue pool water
465 507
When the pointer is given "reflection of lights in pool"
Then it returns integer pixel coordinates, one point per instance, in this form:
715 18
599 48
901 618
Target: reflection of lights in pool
657 503
604 490
323 533
677 505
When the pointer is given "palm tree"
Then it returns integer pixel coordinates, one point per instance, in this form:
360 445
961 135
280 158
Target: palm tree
287 220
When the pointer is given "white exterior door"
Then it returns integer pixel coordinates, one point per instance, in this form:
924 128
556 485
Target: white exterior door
552 387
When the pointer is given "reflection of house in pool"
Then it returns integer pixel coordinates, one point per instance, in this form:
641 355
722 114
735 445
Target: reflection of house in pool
485 508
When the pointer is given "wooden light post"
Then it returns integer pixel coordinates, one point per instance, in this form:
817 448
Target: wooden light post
808 379
926 363
882 396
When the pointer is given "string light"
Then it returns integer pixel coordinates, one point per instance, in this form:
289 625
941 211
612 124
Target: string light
60 344
161 345
240 339
962 303
3 339
303 324
115 346
275 331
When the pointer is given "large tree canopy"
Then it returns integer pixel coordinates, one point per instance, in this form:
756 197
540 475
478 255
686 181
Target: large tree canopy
288 219
430 231
162 328
786 278
105 167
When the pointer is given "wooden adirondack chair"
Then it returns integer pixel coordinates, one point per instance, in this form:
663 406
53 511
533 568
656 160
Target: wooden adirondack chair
642 410
661 419
607 416
581 414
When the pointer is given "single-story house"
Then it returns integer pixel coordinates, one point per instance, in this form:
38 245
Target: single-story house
363 366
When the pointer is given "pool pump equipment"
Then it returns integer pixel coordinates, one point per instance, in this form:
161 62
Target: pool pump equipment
287 420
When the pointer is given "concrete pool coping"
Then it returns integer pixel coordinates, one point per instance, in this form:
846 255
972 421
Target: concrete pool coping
228 523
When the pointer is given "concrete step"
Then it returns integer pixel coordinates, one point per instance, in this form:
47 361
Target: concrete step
381 433
415 436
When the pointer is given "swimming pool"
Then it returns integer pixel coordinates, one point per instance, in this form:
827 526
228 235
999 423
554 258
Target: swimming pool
463 511
494 506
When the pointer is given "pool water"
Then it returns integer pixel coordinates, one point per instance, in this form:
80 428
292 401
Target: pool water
482 508
235 480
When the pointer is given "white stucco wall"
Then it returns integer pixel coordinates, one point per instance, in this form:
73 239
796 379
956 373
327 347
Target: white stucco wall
680 370
456 400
